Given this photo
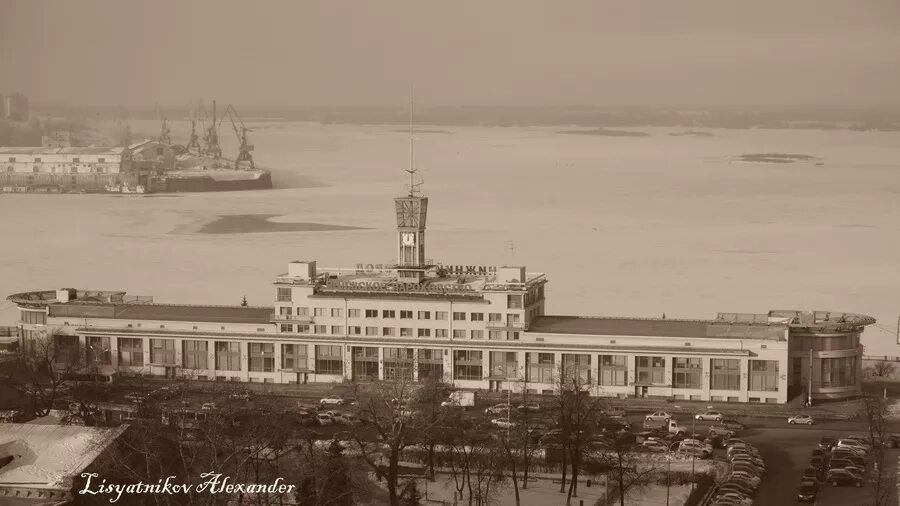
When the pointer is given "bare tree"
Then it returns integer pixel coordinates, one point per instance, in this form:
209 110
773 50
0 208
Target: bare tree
385 405
875 411
883 369
41 371
629 470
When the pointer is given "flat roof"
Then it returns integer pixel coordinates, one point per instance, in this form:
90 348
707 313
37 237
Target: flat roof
39 150
608 326
165 312
49 456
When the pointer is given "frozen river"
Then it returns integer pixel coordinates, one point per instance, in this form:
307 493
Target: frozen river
623 226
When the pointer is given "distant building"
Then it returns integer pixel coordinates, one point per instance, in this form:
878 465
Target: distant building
17 108
57 139
91 168
45 461
152 155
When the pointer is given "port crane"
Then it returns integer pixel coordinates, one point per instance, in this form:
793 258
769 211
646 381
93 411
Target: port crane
211 138
165 136
245 147
194 139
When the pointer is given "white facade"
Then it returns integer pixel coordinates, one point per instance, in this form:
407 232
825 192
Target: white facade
64 160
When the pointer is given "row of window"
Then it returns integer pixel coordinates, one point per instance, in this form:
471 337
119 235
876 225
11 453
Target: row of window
391 313
513 301
338 330
468 364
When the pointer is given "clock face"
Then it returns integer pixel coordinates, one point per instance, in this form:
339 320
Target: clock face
408 239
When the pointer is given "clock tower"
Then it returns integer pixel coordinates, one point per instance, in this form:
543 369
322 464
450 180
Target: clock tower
411 213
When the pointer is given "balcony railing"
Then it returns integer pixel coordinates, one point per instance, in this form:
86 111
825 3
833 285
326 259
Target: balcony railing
522 326
290 318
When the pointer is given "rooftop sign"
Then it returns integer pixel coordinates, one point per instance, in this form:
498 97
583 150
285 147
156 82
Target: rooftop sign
472 270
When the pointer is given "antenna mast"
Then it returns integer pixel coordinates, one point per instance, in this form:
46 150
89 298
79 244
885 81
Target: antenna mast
413 186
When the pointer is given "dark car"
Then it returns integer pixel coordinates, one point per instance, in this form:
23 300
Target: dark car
843 460
893 440
812 473
611 424
818 452
826 443
732 424
817 462
843 477
808 491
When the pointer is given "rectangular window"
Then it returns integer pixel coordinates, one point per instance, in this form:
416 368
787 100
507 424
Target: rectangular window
424 315
262 357
613 370
194 354
687 373
329 359
477 317
725 374
440 315
303 328
353 313
337 312
650 370
459 334
320 311
286 327
371 313
405 332
388 313
504 365
467 365
354 330
284 295
512 318
440 332
320 329
495 317
514 301
838 372
576 368
763 376
494 335
539 367
371 331
162 351
405 315
337 330
131 352
388 331
477 334
285 310
424 332
459 316
398 363
228 356
365 363
302 311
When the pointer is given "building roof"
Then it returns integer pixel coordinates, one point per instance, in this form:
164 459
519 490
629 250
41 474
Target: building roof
165 312
39 150
47 457
606 326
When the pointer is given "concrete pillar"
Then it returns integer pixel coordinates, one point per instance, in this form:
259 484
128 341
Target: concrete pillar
706 363
114 351
179 350
245 361
211 358
415 364
278 361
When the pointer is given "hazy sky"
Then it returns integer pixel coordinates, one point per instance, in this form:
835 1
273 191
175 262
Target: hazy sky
459 52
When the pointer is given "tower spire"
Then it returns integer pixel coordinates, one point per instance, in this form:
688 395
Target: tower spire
413 186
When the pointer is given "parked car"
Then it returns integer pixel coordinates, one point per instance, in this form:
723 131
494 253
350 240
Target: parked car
849 467
655 445
756 461
847 460
613 411
732 424
135 397
332 401
738 486
324 419
721 431
838 477
808 491
817 462
801 419
242 395
657 416
531 408
746 477
852 443
503 423
812 473
893 440
497 409
736 498
827 443
208 406
849 450
710 415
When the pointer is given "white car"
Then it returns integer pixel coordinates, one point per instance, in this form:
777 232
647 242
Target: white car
503 423
497 409
333 401
658 416
710 415
800 419
208 405
654 445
